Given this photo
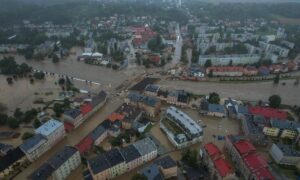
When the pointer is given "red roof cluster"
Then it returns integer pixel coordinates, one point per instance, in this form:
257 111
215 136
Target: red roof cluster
222 166
268 113
256 164
143 35
225 69
85 144
86 108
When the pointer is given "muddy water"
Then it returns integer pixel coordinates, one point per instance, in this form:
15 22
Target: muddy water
74 137
244 91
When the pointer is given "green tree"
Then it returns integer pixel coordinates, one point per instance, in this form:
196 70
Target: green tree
36 123
214 98
18 113
13 123
276 79
27 135
274 101
190 158
208 63
58 109
139 177
3 119
55 59
39 75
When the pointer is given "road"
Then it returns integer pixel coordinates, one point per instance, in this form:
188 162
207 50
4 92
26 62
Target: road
178 48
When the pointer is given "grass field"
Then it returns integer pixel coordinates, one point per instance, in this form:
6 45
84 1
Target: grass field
288 21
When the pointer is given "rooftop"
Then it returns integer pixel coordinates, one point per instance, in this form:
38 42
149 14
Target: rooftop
73 113
223 167
263 174
49 127
98 164
152 88
244 147
255 161
288 150
145 146
97 132
152 172
166 162
290 125
10 158
212 150
99 98
216 108
142 84
32 142
136 97
114 157
43 172
268 112
130 153
62 156
185 120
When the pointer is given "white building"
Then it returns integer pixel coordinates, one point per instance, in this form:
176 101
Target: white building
224 60
52 130
284 154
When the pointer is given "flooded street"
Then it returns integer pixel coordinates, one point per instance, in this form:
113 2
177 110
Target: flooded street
242 91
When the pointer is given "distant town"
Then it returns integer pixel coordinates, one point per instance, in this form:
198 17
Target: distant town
149 90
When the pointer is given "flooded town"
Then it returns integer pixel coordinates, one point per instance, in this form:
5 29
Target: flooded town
149 90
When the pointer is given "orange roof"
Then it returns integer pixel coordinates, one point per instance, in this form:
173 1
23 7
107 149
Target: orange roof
115 116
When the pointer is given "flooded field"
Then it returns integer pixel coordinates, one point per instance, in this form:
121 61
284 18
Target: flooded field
244 91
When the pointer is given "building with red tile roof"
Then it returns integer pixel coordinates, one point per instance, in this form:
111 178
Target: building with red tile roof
85 145
86 108
268 113
225 71
115 116
248 162
218 167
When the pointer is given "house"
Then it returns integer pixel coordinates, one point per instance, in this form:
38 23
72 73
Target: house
151 90
248 162
141 124
99 167
99 134
178 98
219 168
116 161
8 161
34 147
85 145
271 131
268 113
216 110
132 156
230 71
130 115
73 117
167 166
147 148
52 130
59 166
285 154
4 148
152 172
263 71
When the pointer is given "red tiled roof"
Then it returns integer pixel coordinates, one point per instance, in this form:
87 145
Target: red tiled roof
68 126
115 116
268 112
255 162
154 58
223 167
244 147
85 145
86 108
264 174
226 69
212 150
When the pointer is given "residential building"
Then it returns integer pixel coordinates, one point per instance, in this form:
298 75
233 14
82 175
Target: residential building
52 130
167 166
268 113
285 154
216 110
116 161
287 129
74 117
34 147
271 131
151 90
99 168
147 148
98 135
219 168
10 160
190 131
224 60
59 166
150 105
152 172
132 157
247 161
4 148
178 98
130 115
231 71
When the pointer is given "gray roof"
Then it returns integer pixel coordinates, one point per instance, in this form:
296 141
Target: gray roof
136 97
145 146
73 113
152 88
43 172
152 172
166 162
114 157
32 142
242 109
290 125
98 164
130 153
99 98
97 132
62 156
288 150
216 108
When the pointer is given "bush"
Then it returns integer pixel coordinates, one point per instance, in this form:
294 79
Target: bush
27 135
13 122
39 75
3 119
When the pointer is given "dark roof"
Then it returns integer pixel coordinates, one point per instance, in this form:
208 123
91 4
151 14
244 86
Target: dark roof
73 113
43 172
152 172
31 142
152 88
98 164
10 158
62 156
290 125
166 162
162 93
216 108
130 153
183 97
193 173
114 157
242 109
149 101
97 132
5 147
288 150
140 86
106 124
130 112
99 98
204 105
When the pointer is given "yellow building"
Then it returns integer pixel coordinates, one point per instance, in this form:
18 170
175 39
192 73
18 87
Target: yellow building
274 132
288 134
